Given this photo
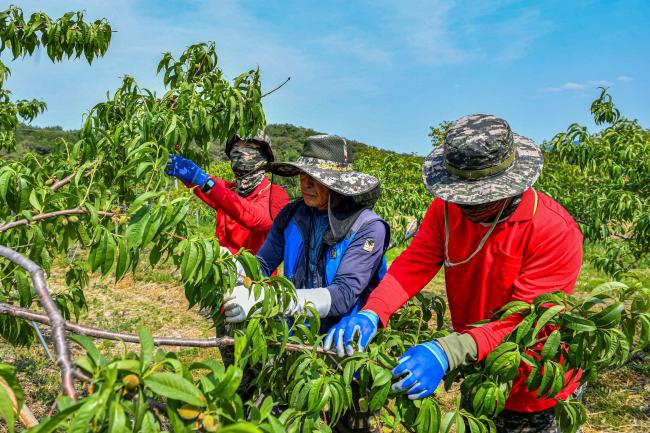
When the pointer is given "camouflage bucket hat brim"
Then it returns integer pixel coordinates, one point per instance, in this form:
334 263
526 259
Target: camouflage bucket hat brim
517 165
343 180
327 159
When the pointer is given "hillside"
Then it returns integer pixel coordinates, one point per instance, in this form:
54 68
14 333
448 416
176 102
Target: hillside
286 139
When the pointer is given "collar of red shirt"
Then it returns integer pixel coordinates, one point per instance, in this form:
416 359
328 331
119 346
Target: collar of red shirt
526 208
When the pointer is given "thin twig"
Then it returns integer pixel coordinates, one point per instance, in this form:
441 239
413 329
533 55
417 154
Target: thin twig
4 226
277 88
55 320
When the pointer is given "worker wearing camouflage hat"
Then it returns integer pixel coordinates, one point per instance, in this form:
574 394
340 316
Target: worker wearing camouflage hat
499 240
245 208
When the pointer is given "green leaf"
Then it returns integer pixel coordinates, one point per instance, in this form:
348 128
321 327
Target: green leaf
123 260
552 345
546 317
176 387
90 348
241 427
6 409
33 200
109 255
135 229
578 323
146 348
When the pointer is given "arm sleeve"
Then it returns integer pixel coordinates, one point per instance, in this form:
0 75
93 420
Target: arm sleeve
357 268
200 194
271 253
414 268
553 264
253 216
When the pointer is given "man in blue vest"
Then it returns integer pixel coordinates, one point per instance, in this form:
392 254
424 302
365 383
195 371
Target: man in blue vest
331 242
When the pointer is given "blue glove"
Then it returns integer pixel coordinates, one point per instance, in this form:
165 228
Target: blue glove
185 170
362 324
421 368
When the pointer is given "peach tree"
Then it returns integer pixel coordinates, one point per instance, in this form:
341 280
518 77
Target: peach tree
101 207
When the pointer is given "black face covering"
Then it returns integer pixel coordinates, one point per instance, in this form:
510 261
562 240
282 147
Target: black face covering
248 166
486 212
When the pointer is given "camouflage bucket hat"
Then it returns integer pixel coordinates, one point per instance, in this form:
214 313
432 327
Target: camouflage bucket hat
326 158
260 138
481 161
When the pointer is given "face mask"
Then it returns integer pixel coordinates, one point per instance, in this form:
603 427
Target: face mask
247 163
248 182
244 160
486 212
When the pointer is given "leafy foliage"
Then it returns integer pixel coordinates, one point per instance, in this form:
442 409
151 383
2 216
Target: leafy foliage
101 206
602 179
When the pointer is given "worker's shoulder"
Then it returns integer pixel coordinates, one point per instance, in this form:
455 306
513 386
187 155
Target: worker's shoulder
551 215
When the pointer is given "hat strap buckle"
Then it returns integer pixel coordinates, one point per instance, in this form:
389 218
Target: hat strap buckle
448 263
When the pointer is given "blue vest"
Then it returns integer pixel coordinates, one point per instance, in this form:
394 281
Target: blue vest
294 246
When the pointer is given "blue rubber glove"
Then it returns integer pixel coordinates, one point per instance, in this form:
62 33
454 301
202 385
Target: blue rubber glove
421 370
185 170
363 325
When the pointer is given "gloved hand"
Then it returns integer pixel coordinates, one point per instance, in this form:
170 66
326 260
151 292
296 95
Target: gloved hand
238 304
421 368
185 170
363 325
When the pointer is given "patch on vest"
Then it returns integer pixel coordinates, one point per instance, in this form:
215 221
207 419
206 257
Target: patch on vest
369 245
332 254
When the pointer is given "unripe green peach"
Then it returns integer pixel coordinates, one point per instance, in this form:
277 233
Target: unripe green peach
188 412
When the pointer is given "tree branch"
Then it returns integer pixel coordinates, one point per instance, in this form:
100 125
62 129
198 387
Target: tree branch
4 226
26 417
55 320
61 183
277 88
23 313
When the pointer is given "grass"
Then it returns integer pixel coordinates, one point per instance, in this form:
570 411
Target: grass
618 402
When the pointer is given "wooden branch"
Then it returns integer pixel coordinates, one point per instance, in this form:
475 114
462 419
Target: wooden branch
54 317
4 226
61 183
23 313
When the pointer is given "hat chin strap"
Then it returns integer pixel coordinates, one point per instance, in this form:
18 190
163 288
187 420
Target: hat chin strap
448 263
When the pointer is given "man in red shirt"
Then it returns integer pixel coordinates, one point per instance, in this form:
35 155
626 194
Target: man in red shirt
245 208
499 240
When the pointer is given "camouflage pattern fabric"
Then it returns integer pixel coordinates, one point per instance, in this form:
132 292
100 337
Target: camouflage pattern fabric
260 138
481 160
326 158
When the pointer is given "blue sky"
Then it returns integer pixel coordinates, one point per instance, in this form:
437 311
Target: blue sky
380 71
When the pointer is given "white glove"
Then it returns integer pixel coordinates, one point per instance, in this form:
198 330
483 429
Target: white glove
319 298
238 304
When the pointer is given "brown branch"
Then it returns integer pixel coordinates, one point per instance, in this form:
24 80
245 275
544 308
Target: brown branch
55 320
4 226
23 313
61 183
277 88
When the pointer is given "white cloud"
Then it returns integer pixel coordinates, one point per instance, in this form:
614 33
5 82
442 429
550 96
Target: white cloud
624 78
571 86
346 42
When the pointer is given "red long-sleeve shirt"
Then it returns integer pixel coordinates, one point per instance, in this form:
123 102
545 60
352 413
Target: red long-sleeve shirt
244 221
537 250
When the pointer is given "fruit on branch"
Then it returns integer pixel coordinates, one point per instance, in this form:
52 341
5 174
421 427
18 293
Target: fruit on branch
248 282
188 412
131 381
209 423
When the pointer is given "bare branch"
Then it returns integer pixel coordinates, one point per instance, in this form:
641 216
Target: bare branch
23 313
4 226
277 88
61 183
55 320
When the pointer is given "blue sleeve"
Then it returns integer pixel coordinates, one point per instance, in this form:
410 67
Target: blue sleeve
357 268
271 253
